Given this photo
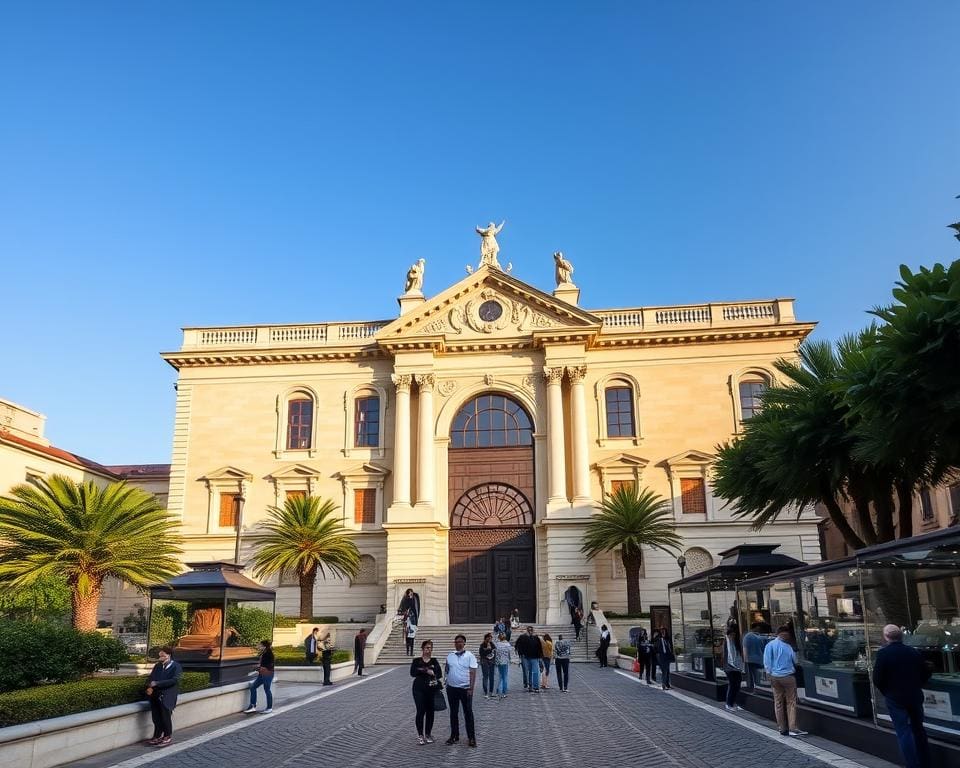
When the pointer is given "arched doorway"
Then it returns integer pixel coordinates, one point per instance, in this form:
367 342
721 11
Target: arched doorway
491 491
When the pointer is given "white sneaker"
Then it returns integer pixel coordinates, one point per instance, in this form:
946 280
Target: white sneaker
268 710
798 733
249 710
728 707
738 708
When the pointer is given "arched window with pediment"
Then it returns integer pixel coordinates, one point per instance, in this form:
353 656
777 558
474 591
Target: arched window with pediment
296 423
491 421
747 387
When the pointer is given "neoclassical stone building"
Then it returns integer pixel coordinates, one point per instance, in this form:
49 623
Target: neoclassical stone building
468 440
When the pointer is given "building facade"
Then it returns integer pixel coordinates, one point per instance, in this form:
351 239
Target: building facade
469 440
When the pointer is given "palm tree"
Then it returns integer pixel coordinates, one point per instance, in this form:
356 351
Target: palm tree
304 536
630 519
85 534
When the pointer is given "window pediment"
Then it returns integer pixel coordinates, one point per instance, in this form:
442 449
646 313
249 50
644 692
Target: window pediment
226 474
689 460
365 471
294 471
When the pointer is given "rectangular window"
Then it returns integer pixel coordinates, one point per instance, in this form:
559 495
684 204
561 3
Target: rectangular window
228 510
299 424
693 495
616 485
295 494
750 392
367 422
926 505
365 506
619 402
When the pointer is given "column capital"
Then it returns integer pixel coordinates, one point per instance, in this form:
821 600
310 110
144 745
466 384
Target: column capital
553 375
402 381
426 381
576 373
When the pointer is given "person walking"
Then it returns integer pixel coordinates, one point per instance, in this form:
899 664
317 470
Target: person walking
162 691
663 655
733 665
502 659
409 633
522 644
410 606
326 657
604 645
753 645
533 653
645 658
547 644
577 622
487 656
311 644
359 644
561 654
900 674
426 673
265 670
461 673
779 661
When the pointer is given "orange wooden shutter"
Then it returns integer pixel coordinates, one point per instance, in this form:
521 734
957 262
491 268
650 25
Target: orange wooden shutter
365 506
693 495
228 510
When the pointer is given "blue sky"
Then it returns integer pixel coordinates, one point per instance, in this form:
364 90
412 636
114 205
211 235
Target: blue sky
182 163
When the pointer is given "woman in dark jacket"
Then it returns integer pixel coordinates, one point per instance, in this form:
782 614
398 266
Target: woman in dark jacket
359 643
426 673
486 654
264 678
162 690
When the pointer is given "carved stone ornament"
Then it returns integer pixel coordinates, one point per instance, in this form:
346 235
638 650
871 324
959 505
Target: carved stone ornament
426 381
529 382
576 373
447 387
488 379
487 313
553 375
402 381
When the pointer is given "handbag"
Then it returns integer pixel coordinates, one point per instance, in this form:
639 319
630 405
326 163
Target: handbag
636 665
439 701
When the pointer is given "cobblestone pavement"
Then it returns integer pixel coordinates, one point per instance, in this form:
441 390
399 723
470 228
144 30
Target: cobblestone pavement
607 719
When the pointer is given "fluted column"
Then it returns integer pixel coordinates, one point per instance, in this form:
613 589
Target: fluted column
425 458
401 445
578 412
556 441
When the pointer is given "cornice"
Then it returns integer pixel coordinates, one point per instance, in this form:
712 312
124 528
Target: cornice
798 331
211 359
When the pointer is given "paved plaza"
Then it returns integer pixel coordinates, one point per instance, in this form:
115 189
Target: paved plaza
607 719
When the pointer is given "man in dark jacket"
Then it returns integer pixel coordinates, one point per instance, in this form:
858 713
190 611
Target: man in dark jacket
311 644
900 674
663 655
521 646
532 653
162 691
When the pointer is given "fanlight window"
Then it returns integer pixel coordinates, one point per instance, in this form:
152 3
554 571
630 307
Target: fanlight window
491 421
492 504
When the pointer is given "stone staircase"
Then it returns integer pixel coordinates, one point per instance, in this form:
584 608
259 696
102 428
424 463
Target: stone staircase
394 650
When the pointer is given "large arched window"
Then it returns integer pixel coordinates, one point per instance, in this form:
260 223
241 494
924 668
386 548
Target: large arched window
299 423
618 397
750 391
491 421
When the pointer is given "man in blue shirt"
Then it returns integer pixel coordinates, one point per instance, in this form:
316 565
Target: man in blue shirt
753 645
779 661
900 674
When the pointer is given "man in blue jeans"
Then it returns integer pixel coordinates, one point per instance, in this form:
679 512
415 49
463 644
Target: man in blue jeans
900 674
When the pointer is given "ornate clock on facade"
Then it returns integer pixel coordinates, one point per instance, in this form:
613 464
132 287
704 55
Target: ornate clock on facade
490 311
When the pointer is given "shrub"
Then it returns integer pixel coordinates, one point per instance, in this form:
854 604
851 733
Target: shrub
56 700
293 656
252 624
628 650
289 622
168 622
615 615
36 652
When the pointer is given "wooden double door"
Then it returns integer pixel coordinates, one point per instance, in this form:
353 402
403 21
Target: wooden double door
491 573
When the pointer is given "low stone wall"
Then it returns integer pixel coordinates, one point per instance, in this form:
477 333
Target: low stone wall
59 740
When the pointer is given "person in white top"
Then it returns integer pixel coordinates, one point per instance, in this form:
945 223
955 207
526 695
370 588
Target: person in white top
461 674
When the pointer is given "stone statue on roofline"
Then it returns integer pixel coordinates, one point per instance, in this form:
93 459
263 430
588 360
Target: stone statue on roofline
564 269
415 277
489 248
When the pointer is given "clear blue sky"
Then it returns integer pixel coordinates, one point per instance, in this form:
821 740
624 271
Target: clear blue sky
183 163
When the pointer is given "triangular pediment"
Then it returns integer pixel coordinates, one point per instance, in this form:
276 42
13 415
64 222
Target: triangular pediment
488 304
227 473
364 470
622 460
690 458
294 471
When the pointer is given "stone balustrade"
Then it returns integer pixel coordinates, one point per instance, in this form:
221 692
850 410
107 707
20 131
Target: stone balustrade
312 335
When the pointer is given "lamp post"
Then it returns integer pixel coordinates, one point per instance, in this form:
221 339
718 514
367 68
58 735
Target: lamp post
681 561
239 501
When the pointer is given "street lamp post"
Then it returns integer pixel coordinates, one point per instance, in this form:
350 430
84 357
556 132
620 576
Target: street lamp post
239 501
682 562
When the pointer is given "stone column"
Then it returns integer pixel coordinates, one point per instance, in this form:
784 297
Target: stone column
401 445
555 436
425 457
578 412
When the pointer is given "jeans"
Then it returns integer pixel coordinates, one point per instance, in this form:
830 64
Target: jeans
457 697
785 702
532 668
563 673
546 668
523 668
734 678
487 671
911 736
503 671
664 665
266 681
754 674
410 646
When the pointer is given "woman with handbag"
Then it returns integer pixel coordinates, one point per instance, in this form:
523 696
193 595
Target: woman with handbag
326 658
427 686
264 678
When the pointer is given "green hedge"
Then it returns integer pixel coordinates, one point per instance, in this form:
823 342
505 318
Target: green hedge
35 652
615 615
294 656
60 699
628 650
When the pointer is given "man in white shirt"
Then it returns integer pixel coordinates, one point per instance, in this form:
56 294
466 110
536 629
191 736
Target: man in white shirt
461 673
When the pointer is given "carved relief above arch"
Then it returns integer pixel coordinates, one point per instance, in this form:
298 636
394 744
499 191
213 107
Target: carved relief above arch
490 505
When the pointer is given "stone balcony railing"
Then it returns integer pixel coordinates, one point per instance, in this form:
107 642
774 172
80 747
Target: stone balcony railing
712 315
692 316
